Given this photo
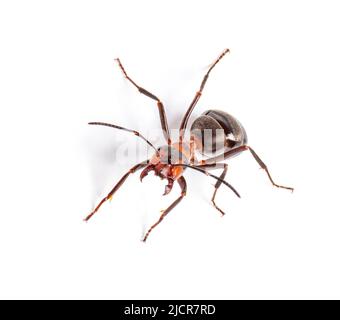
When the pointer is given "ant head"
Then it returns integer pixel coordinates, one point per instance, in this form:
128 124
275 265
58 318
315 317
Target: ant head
164 171
163 164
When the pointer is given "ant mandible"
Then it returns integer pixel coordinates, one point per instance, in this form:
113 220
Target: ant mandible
170 161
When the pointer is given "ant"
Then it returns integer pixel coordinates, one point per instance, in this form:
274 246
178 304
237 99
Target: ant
170 161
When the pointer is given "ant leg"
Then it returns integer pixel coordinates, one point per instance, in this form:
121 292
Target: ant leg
199 169
263 166
225 155
198 95
116 187
219 182
182 183
217 185
162 114
240 149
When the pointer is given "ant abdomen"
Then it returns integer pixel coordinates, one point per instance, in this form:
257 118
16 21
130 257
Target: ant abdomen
216 131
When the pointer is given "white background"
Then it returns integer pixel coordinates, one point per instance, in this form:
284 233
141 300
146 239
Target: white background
281 79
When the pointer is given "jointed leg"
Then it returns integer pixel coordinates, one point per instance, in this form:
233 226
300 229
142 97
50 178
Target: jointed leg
240 149
117 186
202 169
218 183
225 155
182 183
263 166
162 114
198 95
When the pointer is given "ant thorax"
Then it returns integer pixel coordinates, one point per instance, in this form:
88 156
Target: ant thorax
172 154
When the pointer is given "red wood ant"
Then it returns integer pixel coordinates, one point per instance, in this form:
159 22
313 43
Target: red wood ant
170 161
